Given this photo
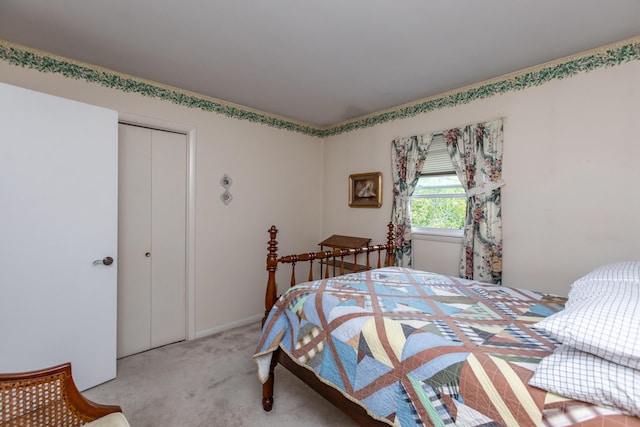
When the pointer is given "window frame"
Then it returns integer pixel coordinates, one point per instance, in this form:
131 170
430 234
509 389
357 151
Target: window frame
443 232
440 165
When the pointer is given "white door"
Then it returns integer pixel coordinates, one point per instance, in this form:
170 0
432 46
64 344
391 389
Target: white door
152 238
58 189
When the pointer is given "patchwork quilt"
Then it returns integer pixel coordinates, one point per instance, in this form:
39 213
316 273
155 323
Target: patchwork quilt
417 348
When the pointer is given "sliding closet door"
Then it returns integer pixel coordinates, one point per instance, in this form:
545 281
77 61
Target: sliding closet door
151 230
168 237
134 239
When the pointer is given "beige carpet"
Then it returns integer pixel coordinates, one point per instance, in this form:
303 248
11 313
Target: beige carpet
210 382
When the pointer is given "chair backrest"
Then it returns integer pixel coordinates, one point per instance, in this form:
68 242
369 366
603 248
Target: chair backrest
47 397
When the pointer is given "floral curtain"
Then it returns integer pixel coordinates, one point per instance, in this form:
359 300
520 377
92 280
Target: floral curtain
476 152
407 158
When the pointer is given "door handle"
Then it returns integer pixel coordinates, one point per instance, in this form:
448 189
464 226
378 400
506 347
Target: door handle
106 261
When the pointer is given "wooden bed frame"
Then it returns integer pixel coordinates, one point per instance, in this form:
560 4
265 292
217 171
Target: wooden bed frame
335 257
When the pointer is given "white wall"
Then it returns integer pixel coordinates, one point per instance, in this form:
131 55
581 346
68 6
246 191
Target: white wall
266 165
570 166
565 143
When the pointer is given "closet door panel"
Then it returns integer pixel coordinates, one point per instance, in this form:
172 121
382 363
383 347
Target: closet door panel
168 237
134 237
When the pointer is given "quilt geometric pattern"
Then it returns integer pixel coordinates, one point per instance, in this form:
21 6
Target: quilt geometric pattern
418 348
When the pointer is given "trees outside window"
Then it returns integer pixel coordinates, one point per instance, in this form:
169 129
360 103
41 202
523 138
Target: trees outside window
438 203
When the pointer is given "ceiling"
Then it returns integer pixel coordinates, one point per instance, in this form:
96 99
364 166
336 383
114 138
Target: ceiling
318 62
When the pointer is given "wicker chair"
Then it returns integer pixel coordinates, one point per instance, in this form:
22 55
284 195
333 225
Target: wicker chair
47 397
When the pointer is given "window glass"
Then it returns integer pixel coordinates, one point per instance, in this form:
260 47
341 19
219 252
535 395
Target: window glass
438 202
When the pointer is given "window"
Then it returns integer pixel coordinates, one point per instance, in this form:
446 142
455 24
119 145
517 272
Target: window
438 203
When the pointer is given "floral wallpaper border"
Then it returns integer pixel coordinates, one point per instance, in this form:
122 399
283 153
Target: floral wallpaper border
608 56
48 63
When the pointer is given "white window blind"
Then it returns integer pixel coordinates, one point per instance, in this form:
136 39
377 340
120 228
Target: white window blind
438 160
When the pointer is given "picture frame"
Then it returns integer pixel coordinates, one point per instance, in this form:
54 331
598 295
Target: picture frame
365 190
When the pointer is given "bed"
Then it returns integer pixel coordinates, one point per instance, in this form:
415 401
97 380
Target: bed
399 346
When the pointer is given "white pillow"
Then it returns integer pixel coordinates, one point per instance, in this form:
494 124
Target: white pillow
608 327
583 376
606 280
627 271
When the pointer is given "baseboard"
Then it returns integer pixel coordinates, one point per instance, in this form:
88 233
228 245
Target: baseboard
228 326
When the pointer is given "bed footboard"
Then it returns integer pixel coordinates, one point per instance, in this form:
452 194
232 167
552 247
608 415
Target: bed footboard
335 257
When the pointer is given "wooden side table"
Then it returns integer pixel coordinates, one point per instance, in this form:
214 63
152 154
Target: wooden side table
344 242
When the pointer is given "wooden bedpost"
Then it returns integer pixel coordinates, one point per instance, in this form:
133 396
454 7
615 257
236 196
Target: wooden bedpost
391 252
270 298
271 294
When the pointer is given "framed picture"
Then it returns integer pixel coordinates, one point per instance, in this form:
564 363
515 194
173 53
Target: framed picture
365 190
